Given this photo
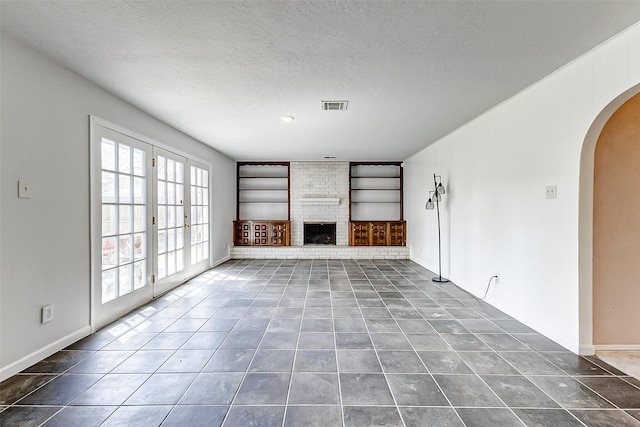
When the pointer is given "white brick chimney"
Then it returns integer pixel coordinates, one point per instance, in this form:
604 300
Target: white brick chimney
314 188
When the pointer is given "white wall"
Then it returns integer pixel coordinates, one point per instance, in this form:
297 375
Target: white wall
496 219
45 240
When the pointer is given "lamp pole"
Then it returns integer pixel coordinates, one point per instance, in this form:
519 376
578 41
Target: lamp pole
438 190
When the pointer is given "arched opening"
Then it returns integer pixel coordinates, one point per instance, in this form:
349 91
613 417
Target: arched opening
609 190
616 229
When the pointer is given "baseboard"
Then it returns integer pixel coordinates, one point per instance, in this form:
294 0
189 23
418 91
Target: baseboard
43 353
420 262
417 261
221 260
617 347
586 350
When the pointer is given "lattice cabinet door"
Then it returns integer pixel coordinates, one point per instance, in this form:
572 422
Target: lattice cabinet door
397 233
261 234
378 233
242 233
360 233
280 234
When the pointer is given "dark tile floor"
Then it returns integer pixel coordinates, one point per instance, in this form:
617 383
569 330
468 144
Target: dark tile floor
318 343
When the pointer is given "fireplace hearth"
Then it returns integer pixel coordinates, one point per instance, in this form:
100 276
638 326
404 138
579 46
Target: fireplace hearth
316 233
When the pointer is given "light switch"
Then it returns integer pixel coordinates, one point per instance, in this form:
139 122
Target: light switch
24 188
551 192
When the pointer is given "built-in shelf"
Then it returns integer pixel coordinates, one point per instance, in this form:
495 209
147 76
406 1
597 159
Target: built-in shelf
375 191
263 191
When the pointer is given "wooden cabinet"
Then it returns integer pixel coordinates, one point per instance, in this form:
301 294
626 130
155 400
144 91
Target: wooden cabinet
242 233
397 234
377 233
359 235
261 233
279 234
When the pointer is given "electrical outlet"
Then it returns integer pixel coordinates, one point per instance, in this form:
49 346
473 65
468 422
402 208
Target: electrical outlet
551 192
25 188
47 313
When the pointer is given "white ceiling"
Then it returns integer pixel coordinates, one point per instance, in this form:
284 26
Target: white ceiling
224 71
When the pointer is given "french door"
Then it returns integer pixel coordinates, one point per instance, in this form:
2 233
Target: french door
150 222
171 220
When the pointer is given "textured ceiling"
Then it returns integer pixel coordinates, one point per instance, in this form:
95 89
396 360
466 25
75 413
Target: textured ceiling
223 72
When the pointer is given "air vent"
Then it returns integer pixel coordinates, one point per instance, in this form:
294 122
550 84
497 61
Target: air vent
334 105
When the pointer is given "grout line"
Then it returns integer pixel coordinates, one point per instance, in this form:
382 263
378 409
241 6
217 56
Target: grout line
295 353
375 350
252 358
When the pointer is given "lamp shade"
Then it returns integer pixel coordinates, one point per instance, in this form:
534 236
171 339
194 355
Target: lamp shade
429 206
440 189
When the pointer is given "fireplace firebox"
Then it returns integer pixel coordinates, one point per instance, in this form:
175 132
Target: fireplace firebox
316 233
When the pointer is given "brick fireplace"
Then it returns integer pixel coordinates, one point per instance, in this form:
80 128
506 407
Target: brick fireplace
319 192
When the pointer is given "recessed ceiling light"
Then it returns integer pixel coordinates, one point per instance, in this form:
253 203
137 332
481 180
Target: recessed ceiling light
287 119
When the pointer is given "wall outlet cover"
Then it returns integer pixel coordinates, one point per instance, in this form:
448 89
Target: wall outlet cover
25 188
551 192
47 313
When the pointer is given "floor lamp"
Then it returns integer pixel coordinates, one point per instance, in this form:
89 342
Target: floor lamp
436 196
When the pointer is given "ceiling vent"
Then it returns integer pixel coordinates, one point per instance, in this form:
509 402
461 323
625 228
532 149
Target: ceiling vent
334 105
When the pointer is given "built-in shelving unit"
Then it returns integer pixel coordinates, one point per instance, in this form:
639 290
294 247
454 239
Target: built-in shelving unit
375 191
263 191
262 212
375 204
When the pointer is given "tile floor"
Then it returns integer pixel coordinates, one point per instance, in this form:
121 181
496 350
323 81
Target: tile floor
318 343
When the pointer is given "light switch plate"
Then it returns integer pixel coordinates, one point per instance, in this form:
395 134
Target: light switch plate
24 188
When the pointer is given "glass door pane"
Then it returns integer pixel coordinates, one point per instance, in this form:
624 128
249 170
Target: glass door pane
122 170
199 185
124 229
171 229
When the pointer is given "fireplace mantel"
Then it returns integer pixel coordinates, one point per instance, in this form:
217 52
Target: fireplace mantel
324 201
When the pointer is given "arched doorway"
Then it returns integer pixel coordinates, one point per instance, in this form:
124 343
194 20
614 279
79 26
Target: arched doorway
609 228
616 229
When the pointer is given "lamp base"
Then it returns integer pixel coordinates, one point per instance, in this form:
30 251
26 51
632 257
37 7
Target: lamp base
439 279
